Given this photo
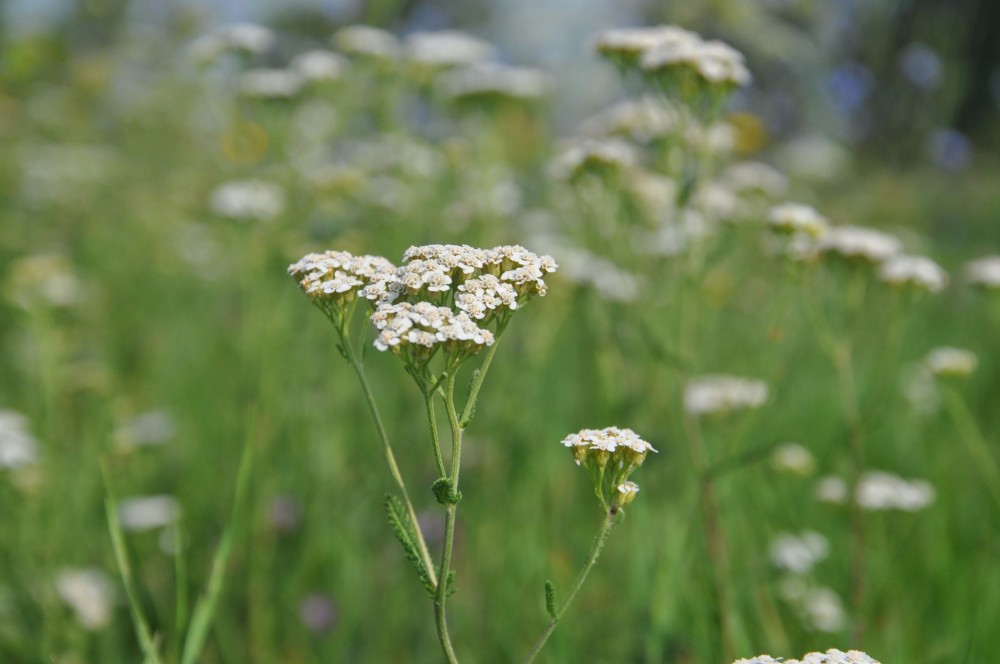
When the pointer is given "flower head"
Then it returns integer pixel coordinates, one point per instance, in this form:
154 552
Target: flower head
334 278
248 199
797 218
858 242
984 272
713 394
368 42
916 272
951 362
610 455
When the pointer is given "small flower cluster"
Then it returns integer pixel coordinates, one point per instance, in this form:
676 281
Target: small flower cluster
832 656
89 593
679 58
367 42
599 157
414 330
490 81
270 83
880 491
795 218
248 199
916 272
334 278
610 455
984 272
447 48
947 362
819 608
858 242
799 553
18 448
238 37
714 394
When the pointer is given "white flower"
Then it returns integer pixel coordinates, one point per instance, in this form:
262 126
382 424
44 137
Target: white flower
878 490
270 83
831 656
831 489
797 218
18 448
611 154
713 61
148 512
152 428
798 553
495 80
608 439
89 593
629 44
917 271
642 120
44 279
320 65
367 41
244 37
611 282
984 272
248 199
721 394
478 297
860 242
755 177
947 361
447 48
337 276
423 324
822 610
793 458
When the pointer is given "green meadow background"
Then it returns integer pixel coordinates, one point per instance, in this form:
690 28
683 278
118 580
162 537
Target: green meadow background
110 156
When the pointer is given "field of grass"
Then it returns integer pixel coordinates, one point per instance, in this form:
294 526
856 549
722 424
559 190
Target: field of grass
150 334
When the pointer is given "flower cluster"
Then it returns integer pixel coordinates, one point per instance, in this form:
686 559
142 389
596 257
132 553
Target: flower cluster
248 199
879 491
238 37
797 218
18 448
916 272
984 272
610 455
676 57
334 278
713 394
858 242
799 553
832 656
606 156
490 81
447 48
368 42
945 362
415 330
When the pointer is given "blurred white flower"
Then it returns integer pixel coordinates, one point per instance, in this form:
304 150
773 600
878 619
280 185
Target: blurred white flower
915 271
43 279
711 394
320 65
984 272
244 37
364 40
878 490
642 120
18 448
755 177
797 218
152 428
860 242
823 610
715 62
89 593
798 553
148 512
591 155
270 83
832 656
611 282
793 458
495 80
831 489
946 361
248 199
447 48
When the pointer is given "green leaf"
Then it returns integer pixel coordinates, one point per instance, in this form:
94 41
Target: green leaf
550 599
403 530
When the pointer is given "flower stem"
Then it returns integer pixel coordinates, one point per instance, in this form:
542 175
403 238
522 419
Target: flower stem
595 552
974 441
435 438
441 596
425 555
477 382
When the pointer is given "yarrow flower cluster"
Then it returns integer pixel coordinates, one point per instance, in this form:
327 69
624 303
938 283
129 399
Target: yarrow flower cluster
946 362
879 491
334 278
858 242
916 272
832 656
713 394
610 455
248 199
414 330
797 218
606 156
486 81
984 272
799 553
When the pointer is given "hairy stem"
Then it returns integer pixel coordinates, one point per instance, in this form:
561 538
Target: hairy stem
435 437
595 552
425 554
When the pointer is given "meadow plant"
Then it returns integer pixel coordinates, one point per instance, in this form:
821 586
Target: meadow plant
443 306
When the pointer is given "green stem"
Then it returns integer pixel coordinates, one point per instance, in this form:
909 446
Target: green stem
595 552
976 444
477 382
425 554
441 596
435 437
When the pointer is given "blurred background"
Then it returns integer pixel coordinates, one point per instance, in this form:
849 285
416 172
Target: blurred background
160 169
